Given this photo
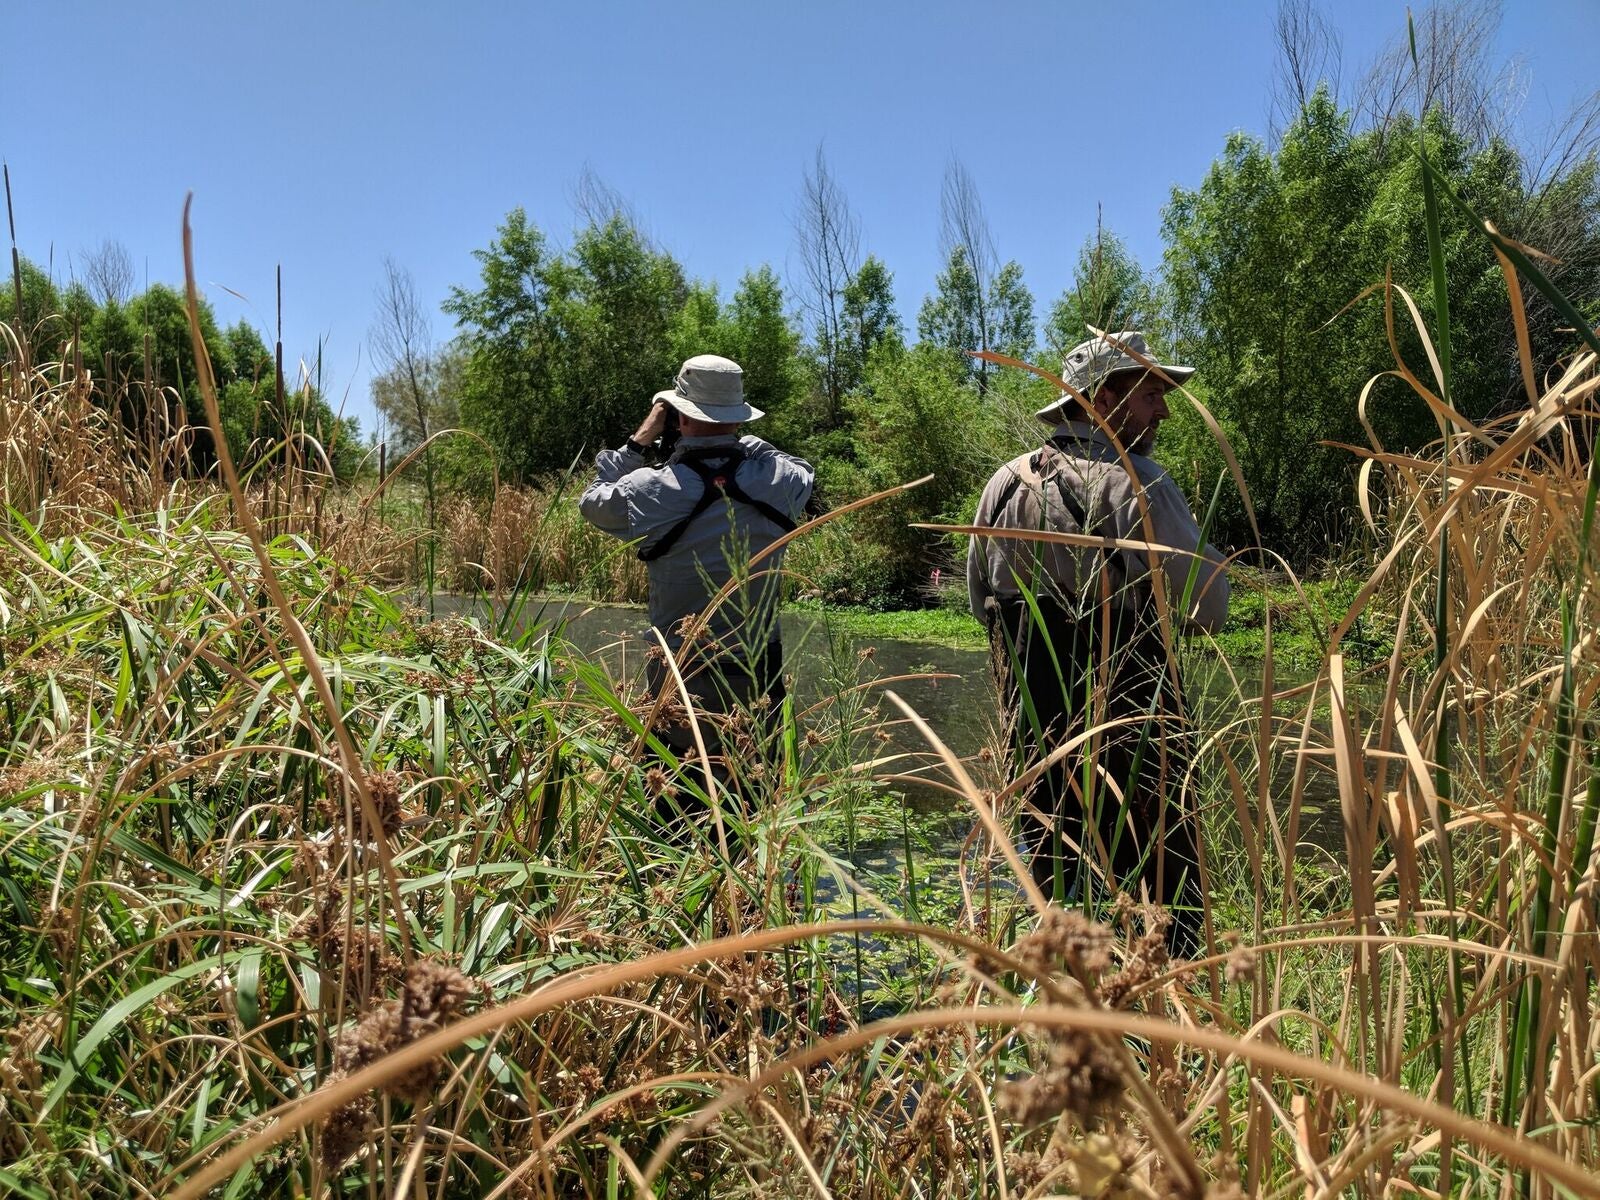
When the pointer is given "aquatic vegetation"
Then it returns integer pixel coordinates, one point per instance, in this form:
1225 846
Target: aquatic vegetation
305 893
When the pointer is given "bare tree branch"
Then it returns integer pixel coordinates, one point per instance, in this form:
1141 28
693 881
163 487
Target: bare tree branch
401 340
1453 72
1309 53
1565 145
597 203
828 238
962 224
108 272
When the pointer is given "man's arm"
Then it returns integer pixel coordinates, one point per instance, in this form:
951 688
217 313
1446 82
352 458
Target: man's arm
1174 525
787 478
604 503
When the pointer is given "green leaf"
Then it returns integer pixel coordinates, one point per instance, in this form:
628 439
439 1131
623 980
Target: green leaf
113 1019
247 988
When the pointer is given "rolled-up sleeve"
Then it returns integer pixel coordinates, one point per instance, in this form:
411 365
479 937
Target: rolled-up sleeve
604 503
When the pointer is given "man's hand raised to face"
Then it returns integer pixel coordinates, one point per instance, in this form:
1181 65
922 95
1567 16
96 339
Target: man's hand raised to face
654 424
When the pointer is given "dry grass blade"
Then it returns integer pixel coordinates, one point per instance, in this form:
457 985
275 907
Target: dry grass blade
350 757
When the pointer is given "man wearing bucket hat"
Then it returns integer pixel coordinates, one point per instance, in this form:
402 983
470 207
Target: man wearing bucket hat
1077 631
698 516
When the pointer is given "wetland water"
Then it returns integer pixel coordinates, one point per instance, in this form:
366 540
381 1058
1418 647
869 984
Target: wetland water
954 695
905 849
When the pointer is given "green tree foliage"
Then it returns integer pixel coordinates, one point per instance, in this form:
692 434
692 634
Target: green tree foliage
951 316
961 315
141 356
510 390
1265 254
870 319
764 342
919 412
1011 304
562 352
439 378
565 350
614 299
40 308
1109 291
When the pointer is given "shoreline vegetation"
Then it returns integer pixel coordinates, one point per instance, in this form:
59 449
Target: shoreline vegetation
1304 613
305 894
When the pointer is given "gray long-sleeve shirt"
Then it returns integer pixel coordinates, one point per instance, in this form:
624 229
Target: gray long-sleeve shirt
634 501
1096 479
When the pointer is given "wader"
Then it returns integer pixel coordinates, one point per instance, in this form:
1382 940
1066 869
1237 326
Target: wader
735 696
1106 816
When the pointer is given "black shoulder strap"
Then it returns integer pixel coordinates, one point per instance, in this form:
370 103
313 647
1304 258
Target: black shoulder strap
1071 503
775 515
716 483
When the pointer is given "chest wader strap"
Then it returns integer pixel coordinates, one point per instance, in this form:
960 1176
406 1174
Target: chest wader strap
1040 469
717 483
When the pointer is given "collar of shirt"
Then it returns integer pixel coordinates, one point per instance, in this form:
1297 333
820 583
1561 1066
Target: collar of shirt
1094 441
712 441
1081 431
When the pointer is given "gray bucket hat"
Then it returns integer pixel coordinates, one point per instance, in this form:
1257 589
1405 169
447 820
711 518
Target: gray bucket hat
710 388
1089 364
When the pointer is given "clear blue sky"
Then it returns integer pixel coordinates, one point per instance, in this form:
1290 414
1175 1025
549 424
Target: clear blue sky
324 136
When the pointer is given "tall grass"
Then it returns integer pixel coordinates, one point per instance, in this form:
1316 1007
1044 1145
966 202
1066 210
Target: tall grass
307 896
535 539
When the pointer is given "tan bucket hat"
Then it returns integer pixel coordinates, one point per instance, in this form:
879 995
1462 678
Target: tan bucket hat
710 388
1089 364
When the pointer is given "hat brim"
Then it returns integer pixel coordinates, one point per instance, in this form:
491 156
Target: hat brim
718 414
1177 374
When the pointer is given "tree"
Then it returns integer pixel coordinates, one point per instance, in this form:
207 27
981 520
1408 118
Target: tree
1109 291
924 415
40 306
1309 56
440 379
614 304
763 342
1011 308
108 272
869 316
751 329
1452 74
509 392
827 236
952 316
963 227
564 351
153 352
699 326
1265 254
402 342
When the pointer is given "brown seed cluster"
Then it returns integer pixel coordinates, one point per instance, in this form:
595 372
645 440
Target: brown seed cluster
1146 959
1241 965
337 942
1094 1164
658 783
429 998
385 788
1082 1077
1065 939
